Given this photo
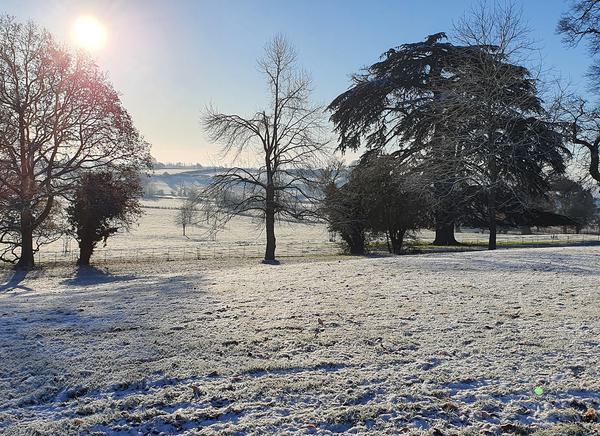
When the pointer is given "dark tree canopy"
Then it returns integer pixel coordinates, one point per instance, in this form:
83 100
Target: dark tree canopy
103 202
390 101
467 114
574 201
395 102
382 196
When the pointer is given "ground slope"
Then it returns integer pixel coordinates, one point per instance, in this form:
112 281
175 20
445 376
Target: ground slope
437 344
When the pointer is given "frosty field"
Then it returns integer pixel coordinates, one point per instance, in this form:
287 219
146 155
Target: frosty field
156 237
439 344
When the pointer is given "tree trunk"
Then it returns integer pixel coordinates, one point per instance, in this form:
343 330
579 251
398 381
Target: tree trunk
26 261
387 241
85 253
492 218
493 169
357 245
270 224
492 239
397 239
444 233
594 161
355 241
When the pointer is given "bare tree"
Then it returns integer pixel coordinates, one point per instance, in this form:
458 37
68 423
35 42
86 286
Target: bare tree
582 22
188 213
288 138
580 123
581 118
58 115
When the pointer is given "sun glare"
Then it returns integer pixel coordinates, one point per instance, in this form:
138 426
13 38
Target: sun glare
88 33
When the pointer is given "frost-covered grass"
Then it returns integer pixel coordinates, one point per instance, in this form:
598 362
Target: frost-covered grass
434 344
157 236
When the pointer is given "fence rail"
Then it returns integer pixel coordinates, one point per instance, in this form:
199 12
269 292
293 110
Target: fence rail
536 239
238 250
197 252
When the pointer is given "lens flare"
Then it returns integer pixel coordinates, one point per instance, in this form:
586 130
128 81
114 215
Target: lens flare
88 33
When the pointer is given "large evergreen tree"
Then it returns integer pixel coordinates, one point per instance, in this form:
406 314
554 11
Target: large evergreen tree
396 102
466 113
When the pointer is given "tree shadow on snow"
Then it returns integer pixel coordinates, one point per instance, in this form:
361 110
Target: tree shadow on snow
89 275
15 282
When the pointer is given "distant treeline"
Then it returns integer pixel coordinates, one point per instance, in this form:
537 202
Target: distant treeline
161 165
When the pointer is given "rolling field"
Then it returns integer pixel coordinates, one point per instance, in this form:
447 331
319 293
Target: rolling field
156 236
455 343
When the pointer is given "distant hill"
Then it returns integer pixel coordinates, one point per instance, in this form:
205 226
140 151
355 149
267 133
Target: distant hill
178 179
174 181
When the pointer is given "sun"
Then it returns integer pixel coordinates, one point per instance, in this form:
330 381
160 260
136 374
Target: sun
88 33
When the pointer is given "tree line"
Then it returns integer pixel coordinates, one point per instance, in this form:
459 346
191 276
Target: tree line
453 129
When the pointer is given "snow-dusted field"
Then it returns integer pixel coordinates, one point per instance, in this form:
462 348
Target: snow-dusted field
434 344
156 236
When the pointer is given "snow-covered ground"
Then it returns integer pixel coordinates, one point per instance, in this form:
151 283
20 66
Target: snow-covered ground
478 343
156 236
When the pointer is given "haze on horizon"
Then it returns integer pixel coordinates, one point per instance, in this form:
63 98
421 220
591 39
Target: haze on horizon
169 60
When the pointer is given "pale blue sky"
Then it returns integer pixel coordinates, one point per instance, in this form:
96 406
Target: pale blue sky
171 58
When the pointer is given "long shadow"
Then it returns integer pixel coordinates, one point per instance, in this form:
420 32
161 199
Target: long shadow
15 282
89 275
52 334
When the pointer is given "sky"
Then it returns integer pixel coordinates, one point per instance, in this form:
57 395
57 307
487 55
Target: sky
170 59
